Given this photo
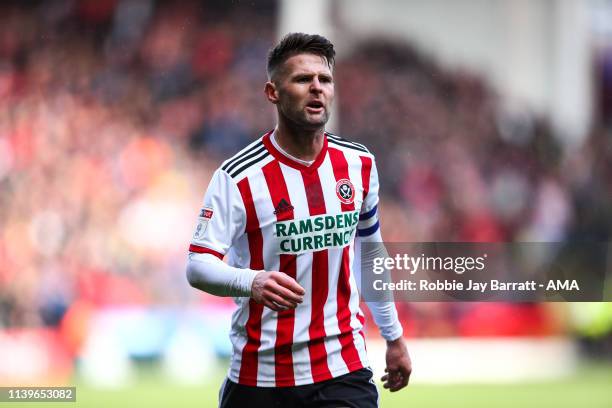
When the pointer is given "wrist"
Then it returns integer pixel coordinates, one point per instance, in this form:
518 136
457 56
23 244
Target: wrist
395 342
252 274
393 332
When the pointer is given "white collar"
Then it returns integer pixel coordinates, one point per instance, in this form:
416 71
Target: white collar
295 159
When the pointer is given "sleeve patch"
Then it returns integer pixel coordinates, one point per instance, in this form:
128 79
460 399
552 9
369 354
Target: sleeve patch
206 212
205 216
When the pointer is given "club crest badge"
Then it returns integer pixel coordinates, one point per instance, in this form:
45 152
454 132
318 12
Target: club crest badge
345 191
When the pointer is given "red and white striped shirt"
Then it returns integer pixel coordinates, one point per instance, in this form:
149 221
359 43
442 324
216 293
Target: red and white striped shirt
268 212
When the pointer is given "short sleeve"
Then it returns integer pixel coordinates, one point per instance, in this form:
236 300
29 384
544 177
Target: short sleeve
368 216
221 219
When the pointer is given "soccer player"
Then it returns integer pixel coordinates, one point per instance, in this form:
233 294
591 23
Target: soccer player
286 211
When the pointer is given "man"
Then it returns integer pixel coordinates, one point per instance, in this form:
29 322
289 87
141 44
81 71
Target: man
286 210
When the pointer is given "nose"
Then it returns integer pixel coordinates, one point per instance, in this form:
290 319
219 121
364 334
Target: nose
315 86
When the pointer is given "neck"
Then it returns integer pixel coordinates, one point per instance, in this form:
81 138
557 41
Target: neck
304 144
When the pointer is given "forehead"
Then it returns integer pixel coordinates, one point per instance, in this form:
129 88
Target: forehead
306 63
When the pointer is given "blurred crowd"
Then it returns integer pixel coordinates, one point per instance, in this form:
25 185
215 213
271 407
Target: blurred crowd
113 115
459 166
462 168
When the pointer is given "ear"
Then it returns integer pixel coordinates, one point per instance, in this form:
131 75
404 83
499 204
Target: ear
271 92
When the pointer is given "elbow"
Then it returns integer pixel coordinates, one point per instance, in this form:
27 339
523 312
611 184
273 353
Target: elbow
192 275
201 275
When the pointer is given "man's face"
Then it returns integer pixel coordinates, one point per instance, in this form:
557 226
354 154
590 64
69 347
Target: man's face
303 90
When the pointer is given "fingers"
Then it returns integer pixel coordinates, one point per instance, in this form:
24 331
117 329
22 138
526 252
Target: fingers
284 292
277 290
288 282
405 371
273 306
395 380
280 301
403 381
287 295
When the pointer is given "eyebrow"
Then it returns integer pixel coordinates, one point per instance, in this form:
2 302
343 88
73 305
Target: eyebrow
309 74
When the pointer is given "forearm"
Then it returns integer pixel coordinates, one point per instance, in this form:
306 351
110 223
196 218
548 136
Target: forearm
385 317
210 274
384 313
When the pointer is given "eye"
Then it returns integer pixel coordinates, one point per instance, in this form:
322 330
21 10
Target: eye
325 79
303 79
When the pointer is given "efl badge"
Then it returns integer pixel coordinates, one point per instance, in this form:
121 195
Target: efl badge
206 213
205 216
345 191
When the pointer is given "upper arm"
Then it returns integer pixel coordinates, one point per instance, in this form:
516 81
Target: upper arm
222 218
368 217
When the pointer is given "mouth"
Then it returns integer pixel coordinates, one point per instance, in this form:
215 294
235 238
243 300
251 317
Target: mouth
315 107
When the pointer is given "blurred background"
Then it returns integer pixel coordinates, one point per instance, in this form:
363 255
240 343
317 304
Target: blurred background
491 121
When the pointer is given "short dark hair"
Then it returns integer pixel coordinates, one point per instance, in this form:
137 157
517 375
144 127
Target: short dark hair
298 43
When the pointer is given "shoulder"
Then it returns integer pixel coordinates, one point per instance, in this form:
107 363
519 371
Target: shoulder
347 146
247 159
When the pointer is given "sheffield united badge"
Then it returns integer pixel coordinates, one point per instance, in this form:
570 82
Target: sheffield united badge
345 191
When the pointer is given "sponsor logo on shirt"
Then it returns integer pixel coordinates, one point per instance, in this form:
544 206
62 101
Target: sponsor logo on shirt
316 233
283 206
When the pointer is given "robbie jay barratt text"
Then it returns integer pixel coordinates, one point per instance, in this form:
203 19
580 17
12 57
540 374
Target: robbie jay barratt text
493 285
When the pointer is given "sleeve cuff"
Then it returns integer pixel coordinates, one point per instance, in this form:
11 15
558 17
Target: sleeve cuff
247 281
203 250
393 332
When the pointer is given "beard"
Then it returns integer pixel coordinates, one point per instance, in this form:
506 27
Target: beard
302 119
